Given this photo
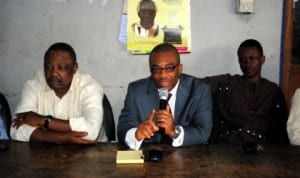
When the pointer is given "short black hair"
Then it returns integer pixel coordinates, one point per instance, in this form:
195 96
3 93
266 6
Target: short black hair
145 1
251 43
61 46
164 47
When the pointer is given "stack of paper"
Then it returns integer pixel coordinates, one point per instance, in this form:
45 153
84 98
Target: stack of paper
130 156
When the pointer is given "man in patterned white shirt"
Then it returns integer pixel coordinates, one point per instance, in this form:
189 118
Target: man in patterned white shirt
60 105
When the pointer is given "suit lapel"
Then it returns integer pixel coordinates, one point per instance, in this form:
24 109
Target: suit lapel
181 97
153 98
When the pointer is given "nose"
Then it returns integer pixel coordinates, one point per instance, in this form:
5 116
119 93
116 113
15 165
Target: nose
53 71
163 72
247 62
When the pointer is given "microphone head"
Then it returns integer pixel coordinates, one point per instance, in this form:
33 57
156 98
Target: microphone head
163 93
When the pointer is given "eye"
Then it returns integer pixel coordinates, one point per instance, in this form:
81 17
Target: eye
170 68
64 67
149 11
156 70
48 67
242 60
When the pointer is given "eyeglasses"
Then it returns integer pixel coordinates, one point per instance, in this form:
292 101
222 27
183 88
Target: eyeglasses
168 69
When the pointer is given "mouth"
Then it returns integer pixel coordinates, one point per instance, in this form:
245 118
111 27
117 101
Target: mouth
248 71
54 82
164 83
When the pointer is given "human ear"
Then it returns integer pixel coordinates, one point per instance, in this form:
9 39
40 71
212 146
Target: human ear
262 59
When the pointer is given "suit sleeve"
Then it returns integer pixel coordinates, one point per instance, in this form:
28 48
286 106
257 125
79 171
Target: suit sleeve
129 117
200 125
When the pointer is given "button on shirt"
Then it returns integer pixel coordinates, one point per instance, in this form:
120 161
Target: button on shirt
81 105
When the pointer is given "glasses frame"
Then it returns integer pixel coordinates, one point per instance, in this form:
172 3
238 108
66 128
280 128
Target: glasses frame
167 69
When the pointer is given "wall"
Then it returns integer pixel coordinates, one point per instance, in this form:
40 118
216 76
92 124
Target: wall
29 27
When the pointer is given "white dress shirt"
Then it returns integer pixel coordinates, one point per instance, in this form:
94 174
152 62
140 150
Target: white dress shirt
293 124
133 143
81 105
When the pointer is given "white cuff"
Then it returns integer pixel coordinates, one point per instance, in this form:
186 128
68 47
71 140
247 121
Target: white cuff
131 141
23 133
179 140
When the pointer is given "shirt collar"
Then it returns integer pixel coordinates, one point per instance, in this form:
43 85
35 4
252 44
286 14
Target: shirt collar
174 90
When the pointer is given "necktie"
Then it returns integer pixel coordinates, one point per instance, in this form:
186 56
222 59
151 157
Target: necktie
170 104
164 138
170 95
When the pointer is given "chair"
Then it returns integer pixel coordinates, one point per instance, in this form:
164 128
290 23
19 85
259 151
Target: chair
5 113
108 120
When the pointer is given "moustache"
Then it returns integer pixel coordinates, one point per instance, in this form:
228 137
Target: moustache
53 79
163 80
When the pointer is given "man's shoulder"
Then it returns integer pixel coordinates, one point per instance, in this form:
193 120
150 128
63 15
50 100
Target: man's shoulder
85 80
140 82
220 78
267 84
297 92
38 81
192 82
186 78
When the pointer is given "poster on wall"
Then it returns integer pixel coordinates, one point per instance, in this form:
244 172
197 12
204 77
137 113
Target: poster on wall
151 22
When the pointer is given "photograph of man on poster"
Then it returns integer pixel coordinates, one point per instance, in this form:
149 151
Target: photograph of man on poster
146 27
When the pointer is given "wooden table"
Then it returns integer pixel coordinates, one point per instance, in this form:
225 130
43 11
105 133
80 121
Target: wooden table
76 161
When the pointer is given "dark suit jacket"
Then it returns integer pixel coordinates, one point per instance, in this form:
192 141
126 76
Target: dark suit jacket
193 109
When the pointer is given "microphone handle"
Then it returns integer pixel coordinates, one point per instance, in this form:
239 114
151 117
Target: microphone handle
163 104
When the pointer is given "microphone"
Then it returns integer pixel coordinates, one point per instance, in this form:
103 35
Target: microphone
156 154
163 98
163 101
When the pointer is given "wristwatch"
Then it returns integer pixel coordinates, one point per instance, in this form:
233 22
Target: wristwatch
47 119
177 131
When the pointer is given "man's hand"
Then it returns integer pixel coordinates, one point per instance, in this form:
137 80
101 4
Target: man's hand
147 128
165 120
30 118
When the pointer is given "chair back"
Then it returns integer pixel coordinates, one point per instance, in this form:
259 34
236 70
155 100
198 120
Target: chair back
108 120
5 113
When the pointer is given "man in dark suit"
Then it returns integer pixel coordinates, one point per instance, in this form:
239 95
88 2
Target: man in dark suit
187 119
